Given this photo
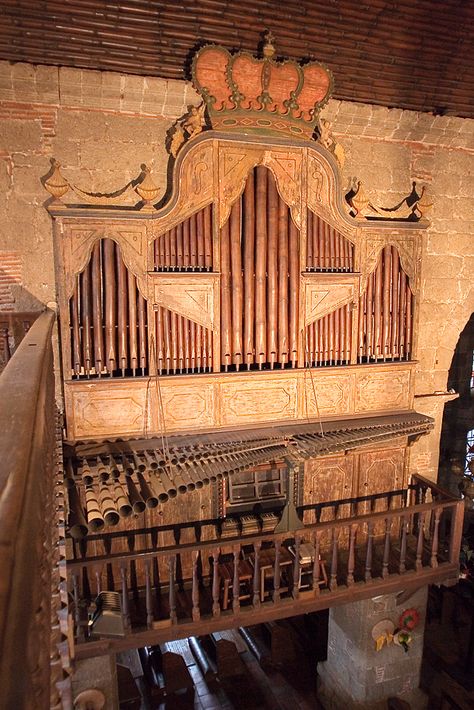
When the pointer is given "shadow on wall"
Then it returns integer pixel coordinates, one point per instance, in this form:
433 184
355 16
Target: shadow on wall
458 420
18 311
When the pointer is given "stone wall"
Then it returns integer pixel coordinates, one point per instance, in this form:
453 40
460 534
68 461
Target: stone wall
102 126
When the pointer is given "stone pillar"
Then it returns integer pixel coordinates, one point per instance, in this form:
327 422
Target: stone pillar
355 675
99 673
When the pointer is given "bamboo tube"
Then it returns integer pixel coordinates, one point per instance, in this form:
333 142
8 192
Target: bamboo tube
316 245
146 493
272 272
181 343
209 349
173 260
186 245
192 341
322 244
294 291
208 237
317 342
187 346
166 315
282 283
226 315
110 305
309 240
204 350
193 241
76 520
132 321
369 326
332 248
121 501
174 341
86 319
97 310
167 244
309 354
387 273
409 302
157 487
107 506
331 337
179 247
161 245
156 254
160 355
200 240
142 335
86 473
198 348
168 485
260 266
378 308
122 312
249 267
151 461
237 283
76 335
134 497
401 311
95 520
101 469
337 250
348 331
394 304
325 340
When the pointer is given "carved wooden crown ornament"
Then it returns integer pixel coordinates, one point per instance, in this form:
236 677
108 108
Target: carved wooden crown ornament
245 93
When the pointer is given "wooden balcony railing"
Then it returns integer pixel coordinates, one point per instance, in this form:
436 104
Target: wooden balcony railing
33 620
182 590
13 328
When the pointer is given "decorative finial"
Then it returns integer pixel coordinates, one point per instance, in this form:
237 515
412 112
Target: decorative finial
56 185
147 189
269 48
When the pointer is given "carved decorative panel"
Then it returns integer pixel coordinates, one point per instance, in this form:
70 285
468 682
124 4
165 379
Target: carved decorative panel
323 295
327 479
327 395
248 400
193 297
382 390
234 166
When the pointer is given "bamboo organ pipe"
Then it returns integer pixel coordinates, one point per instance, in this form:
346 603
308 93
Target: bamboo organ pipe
260 266
237 283
272 272
249 269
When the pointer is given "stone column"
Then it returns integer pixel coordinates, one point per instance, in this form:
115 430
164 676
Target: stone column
355 675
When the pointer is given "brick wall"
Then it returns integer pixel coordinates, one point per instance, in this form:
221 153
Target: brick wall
102 126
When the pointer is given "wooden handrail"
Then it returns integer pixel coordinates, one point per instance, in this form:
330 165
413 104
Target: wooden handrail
264 537
27 441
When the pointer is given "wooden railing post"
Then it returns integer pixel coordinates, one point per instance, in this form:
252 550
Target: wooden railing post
148 595
333 577
457 520
236 581
386 547
435 540
351 559
256 574
369 551
216 610
172 589
296 568
316 563
276 572
419 542
403 545
125 605
196 613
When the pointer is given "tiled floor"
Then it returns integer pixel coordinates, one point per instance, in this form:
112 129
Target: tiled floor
256 690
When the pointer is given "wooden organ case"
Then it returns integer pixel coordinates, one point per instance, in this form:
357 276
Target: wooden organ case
255 295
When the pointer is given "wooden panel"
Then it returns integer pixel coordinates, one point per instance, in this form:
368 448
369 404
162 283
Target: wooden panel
381 471
116 407
327 395
323 295
326 479
191 296
257 399
383 390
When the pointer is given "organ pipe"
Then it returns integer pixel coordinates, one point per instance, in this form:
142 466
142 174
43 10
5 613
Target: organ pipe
182 346
108 318
188 246
326 248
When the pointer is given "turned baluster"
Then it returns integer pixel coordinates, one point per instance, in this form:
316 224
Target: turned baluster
172 592
316 564
386 548
195 591
98 573
435 541
369 552
276 572
296 569
351 560
125 607
256 574
333 577
77 608
419 542
236 581
403 545
216 610
148 595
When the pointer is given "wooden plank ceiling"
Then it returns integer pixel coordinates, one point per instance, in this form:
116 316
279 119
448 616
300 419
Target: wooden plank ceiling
414 55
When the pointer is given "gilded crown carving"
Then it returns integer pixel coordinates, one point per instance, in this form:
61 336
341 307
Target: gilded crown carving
246 93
